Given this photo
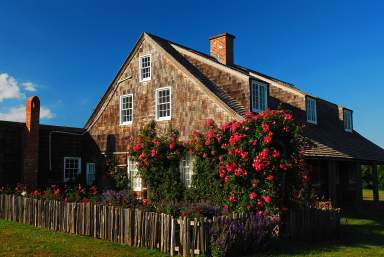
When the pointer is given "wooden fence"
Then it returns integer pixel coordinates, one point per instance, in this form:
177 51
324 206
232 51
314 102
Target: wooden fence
138 228
134 227
311 224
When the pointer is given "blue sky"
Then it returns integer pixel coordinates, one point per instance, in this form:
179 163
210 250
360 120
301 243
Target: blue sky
69 51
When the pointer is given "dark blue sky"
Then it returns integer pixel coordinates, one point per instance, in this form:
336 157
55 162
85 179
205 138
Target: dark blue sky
71 50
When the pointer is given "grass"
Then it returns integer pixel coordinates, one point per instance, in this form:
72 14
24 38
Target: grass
368 194
362 235
25 240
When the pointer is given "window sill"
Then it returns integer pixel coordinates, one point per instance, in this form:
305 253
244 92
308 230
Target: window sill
145 80
126 123
163 119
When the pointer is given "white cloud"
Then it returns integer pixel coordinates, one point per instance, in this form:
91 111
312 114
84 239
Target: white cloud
29 86
9 89
17 113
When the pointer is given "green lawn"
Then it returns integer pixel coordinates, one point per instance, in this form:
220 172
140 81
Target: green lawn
362 235
368 194
25 240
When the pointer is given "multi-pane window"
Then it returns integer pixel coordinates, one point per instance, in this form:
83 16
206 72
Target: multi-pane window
145 67
163 103
259 96
133 174
348 123
91 173
311 110
72 168
126 109
186 170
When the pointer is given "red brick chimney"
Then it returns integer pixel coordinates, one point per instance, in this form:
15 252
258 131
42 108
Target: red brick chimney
222 48
31 144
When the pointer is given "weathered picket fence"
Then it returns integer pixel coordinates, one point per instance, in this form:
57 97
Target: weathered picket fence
134 227
312 224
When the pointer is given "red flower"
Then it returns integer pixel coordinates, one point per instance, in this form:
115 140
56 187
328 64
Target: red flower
287 116
136 148
156 142
252 196
171 146
268 138
248 206
142 155
265 127
270 178
230 167
226 206
276 154
283 166
210 122
226 179
232 198
145 202
153 152
267 199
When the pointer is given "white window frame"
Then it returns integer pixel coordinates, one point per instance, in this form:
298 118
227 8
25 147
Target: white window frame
141 79
186 170
260 106
348 122
121 110
311 109
157 103
66 179
134 176
88 173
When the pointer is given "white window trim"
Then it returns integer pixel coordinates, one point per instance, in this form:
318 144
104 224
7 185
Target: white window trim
150 68
260 84
170 104
307 99
87 173
120 106
191 160
71 158
129 172
345 128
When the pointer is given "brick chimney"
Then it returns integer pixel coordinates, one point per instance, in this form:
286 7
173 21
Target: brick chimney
31 144
221 48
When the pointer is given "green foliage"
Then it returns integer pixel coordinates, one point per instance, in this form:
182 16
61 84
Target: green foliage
158 157
367 177
255 163
205 185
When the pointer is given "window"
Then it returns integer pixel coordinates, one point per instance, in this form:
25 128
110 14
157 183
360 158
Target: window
186 170
91 173
163 103
259 96
145 67
126 109
133 174
72 168
348 124
311 110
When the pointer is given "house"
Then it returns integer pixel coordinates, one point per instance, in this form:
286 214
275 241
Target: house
181 87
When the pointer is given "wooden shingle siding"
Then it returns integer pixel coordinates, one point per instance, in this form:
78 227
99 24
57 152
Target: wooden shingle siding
191 106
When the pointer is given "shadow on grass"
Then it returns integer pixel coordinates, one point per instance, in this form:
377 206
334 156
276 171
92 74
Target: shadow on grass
358 231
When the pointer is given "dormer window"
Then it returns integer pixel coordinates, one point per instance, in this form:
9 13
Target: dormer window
348 122
145 67
311 110
259 96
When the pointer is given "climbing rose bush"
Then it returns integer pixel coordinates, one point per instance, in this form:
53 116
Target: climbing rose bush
157 156
259 160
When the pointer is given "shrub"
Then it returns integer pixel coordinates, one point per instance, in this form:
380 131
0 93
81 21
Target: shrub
234 237
257 162
158 159
119 198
